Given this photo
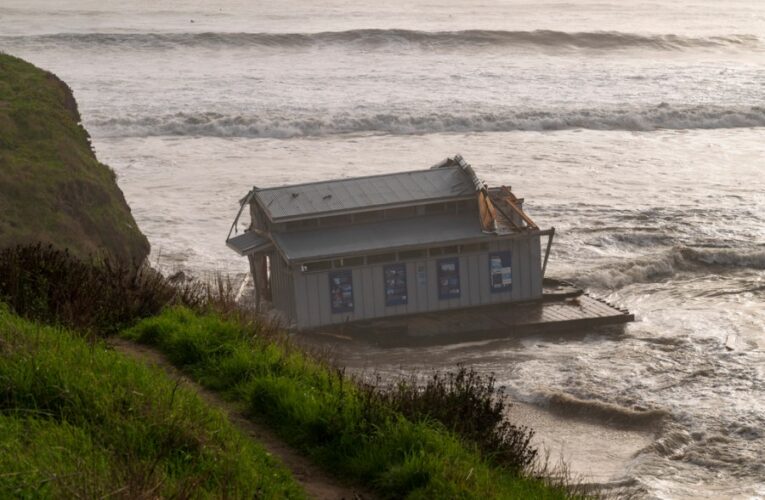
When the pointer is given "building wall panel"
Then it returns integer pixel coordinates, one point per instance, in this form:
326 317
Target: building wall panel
280 293
320 290
301 300
517 263
525 267
535 266
421 283
312 300
366 299
378 294
474 276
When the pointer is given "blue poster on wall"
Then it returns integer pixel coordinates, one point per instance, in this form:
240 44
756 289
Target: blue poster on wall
448 278
395 284
500 272
341 291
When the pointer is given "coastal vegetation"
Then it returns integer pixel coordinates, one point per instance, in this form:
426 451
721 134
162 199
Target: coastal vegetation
94 296
357 430
78 420
53 189
446 438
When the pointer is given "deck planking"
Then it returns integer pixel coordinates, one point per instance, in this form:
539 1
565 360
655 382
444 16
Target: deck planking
563 312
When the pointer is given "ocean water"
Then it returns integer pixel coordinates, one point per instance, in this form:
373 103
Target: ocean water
637 129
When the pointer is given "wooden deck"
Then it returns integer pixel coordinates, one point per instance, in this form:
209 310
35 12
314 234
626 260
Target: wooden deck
563 308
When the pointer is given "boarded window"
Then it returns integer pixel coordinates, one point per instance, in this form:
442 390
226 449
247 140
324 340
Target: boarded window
341 291
302 224
394 276
465 206
400 213
381 257
411 254
448 278
450 250
336 220
435 208
500 272
474 247
348 262
319 265
368 216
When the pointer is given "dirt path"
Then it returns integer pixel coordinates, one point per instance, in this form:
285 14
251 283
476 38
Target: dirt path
316 483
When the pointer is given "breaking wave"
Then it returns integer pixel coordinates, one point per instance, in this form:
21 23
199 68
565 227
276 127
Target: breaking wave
612 414
664 265
378 38
671 444
319 123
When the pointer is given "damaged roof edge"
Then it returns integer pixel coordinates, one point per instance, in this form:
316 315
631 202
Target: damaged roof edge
448 162
353 194
367 208
249 242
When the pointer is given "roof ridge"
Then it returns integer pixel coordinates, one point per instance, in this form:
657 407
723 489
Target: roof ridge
330 181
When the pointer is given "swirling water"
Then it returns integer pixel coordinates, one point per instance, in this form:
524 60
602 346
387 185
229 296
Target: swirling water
636 129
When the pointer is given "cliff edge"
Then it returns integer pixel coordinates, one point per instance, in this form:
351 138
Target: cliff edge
53 189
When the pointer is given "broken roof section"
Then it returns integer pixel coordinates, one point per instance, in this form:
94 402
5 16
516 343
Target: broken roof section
249 242
362 193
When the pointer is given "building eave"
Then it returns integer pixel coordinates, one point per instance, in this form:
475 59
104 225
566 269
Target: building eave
486 238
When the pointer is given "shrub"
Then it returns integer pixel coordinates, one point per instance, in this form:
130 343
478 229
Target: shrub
466 403
99 297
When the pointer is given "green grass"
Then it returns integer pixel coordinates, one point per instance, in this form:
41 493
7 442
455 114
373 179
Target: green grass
52 187
322 412
80 421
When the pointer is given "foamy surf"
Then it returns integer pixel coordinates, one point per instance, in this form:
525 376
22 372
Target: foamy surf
387 38
663 265
285 124
604 412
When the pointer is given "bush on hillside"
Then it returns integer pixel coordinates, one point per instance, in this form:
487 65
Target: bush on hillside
98 296
468 404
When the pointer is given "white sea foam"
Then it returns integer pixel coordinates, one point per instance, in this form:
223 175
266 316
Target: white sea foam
608 413
372 38
663 265
280 124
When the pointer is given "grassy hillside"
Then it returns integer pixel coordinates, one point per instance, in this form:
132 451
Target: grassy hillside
347 428
79 421
451 439
52 187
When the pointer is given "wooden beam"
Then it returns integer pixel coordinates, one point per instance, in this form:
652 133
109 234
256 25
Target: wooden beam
550 237
509 218
254 273
510 199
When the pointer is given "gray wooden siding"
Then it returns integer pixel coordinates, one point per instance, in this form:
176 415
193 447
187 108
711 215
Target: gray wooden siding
311 304
282 287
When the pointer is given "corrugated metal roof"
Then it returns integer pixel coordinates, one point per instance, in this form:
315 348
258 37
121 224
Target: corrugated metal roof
379 237
342 195
248 242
